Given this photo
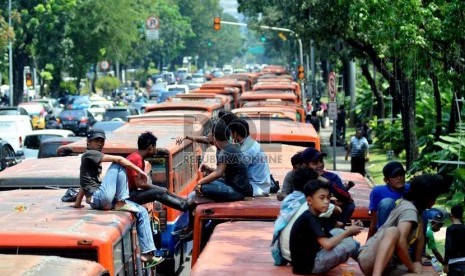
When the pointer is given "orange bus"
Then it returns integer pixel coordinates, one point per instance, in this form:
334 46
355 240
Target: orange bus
297 107
225 100
213 107
267 208
34 265
229 91
276 69
279 86
221 83
174 166
36 222
269 95
286 132
272 112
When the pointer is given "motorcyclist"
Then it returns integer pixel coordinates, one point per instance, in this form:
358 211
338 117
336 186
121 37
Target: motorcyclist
51 121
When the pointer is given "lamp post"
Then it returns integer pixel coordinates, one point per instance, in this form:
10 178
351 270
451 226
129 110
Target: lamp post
10 56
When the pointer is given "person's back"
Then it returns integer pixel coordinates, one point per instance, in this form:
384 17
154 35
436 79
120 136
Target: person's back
256 160
236 173
315 121
455 239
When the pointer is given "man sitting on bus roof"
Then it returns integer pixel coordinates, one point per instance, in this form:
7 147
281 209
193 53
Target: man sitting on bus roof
141 191
257 163
229 181
112 192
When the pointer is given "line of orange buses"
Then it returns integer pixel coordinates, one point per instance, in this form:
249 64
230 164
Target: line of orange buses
51 227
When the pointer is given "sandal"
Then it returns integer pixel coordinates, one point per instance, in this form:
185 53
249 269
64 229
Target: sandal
127 208
153 262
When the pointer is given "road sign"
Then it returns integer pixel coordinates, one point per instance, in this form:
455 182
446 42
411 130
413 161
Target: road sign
152 23
332 110
332 86
152 34
104 65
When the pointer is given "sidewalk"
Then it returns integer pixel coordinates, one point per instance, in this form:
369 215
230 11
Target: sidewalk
341 163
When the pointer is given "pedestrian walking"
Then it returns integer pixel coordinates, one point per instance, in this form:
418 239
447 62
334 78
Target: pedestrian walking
358 150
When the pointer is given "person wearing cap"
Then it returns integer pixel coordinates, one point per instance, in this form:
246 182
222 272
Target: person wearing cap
314 160
111 192
358 150
383 197
387 251
434 225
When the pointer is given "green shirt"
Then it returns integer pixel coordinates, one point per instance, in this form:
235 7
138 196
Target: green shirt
430 242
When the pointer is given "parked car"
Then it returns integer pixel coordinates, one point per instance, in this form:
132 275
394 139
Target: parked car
33 140
13 129
119 113
108 126
78 121
48 148
8 156
37 111
13 110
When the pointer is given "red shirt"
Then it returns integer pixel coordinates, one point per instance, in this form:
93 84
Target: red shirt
137 160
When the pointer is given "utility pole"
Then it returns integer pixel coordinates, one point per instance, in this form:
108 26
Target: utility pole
10 56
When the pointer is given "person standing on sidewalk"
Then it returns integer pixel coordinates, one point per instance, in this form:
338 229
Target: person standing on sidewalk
358 150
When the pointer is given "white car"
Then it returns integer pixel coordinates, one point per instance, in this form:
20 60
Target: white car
97 108
33 140
13 129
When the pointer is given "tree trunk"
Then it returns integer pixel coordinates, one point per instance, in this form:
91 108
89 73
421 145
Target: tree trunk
437 101
374 89
20 60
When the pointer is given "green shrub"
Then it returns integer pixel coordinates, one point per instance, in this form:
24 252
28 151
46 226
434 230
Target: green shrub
107 83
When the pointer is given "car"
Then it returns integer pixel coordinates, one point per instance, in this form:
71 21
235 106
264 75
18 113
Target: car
13 110
119 113
37 111
196 81
180 88
8 156
108 126
13 129
33 140
48 148
78 102
52 104
126 93
97 108
78 121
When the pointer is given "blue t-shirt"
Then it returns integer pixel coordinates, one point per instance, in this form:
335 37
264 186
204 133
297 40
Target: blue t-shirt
384 191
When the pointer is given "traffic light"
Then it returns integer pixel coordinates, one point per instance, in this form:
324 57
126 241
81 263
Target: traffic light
209 43
217 23
300 72
29 79
262 38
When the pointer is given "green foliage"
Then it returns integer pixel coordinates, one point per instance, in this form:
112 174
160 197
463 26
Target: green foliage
107 83
68 86
388 134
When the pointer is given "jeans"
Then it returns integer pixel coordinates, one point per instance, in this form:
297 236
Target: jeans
325 260
457 269
161 195
347 211
114 188
218 190
385 207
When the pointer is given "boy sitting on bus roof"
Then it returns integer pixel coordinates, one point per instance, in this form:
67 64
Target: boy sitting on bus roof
112 192
229 181
314 159
314 250
141 191
257 163
288 188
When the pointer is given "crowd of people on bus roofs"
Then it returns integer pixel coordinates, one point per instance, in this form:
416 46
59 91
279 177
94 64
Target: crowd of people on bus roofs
313 231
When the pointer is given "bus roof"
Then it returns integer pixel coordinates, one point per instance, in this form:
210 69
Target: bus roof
187 105
275 112
286 132
53 172
260 95
38 218
34 265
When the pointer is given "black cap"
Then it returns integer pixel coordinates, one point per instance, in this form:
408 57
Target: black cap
392 168
438 218
95 133
311 155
